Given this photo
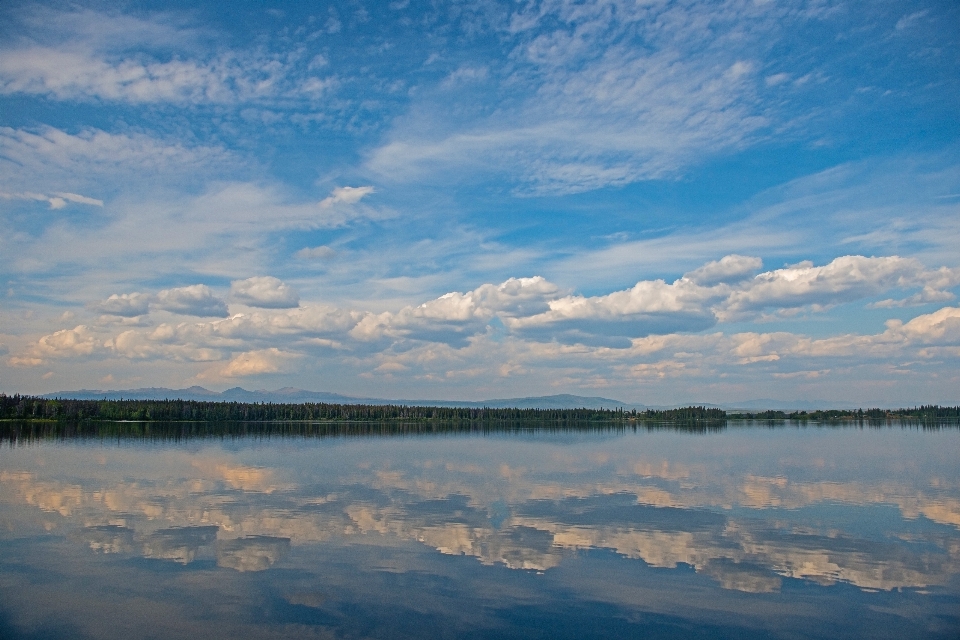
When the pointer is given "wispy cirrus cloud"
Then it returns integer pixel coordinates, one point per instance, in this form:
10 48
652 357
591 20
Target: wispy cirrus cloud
612 93
92 158
58 200
82 74
106 56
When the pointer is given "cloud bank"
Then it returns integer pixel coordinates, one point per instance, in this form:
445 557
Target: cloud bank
653 331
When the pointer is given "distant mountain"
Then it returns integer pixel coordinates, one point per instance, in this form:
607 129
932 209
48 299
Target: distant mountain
562 401
293 395
236 394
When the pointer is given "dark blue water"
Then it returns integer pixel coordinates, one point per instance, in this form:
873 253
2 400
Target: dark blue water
747 533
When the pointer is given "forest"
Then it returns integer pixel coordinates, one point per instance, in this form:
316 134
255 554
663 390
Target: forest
922 413
18 407
29 417
23 407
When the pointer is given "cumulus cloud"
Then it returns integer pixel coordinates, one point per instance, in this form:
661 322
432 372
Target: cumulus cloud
128 305
195 300
69 342
252 363
345 195
648 333
842 280
926 296
66 343
264 291
166 342
719 291
916 338
455 316
732 268
307 321
940 327
310 326
648 307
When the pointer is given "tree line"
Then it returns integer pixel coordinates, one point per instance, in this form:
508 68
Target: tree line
18 407
925 412
31 408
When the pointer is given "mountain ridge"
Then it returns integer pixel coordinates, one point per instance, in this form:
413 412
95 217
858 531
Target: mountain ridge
294 395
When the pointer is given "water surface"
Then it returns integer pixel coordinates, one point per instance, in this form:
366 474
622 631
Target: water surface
749 532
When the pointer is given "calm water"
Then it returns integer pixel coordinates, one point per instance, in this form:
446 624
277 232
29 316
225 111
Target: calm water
747 533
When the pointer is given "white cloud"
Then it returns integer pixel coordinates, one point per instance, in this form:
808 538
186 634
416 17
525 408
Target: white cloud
88 55
164 342
859 207
604 97
776 79
84 55
252 363
310 320
528 330
721 291
730 268
648 307
125 304
226 230
57 200
842 280
455 316
939 327
242 205
322 252
466 74
78 341
24 361
64 74
264 291
910 20
529 309
925 296
346 196
74 197
94 157
195 300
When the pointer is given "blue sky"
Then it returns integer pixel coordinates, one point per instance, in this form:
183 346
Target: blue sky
662 202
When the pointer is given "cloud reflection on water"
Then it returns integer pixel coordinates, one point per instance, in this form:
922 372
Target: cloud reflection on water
713 514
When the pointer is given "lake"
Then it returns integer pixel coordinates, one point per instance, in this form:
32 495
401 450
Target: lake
752 531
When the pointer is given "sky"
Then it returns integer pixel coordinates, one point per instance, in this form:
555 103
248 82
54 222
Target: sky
659 202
